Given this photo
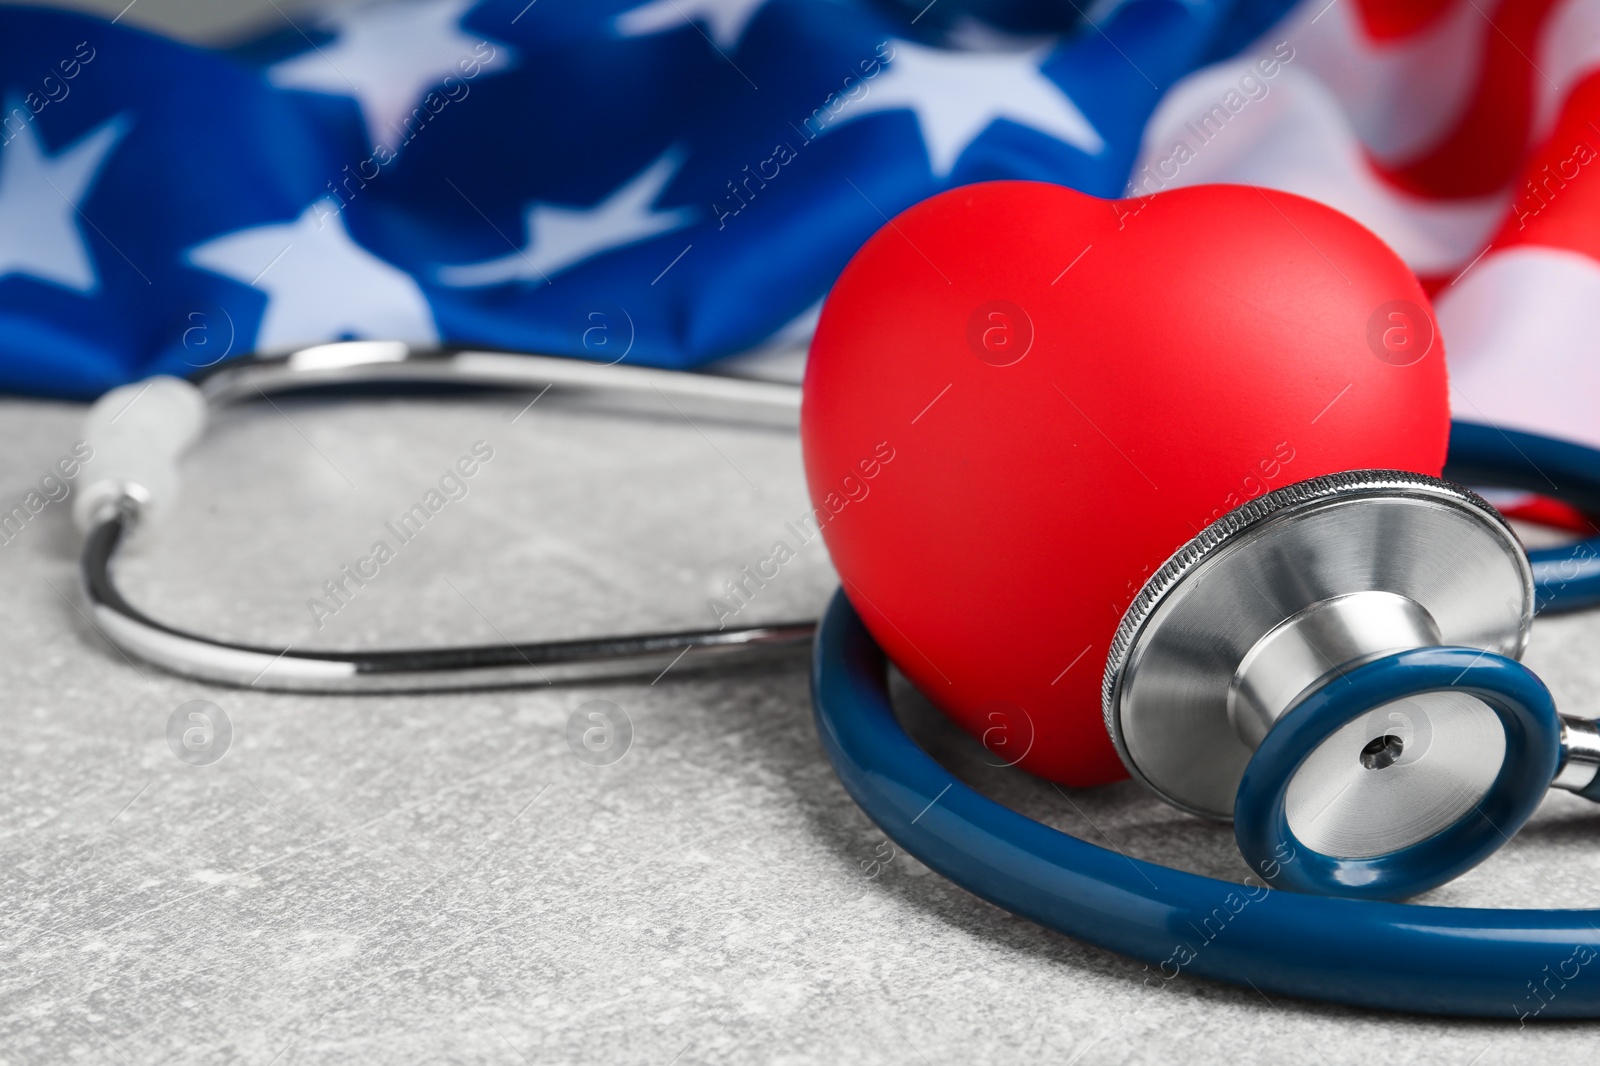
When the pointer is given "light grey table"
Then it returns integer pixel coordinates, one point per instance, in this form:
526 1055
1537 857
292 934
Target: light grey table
201 21
440 878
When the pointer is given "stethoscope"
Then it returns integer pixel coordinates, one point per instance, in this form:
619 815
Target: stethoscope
140 431
1393 739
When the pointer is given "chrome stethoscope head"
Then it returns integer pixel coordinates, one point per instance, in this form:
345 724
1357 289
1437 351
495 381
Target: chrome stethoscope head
1333 666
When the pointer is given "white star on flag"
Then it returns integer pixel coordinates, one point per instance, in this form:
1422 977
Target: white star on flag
560 237
320 284
727 19
39 197
387 56
957 95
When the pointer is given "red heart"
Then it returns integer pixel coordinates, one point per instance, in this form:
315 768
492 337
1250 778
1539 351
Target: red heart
1021 400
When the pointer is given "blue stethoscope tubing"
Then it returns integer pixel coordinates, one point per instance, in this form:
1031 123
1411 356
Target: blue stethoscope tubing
1511 963
1566 578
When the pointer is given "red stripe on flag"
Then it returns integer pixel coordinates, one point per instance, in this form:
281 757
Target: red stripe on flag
1483 152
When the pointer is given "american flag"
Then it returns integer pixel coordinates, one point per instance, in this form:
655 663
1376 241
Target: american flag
673 182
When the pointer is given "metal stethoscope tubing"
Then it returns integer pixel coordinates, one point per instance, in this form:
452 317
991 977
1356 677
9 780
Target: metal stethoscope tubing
140 431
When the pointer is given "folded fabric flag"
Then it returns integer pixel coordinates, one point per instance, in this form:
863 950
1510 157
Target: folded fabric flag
1467 136
668 181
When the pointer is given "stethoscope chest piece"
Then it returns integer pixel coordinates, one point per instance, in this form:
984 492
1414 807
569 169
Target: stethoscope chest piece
1389 607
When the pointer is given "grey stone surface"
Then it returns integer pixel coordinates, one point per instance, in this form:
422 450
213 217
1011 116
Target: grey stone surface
440 879
202 21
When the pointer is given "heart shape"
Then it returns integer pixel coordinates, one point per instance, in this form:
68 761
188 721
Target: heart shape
1021 400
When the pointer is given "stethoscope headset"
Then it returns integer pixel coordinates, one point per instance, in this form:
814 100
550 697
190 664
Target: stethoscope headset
1496 739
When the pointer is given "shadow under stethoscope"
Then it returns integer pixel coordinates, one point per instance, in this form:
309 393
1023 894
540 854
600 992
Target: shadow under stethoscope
1123 818
1128 819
